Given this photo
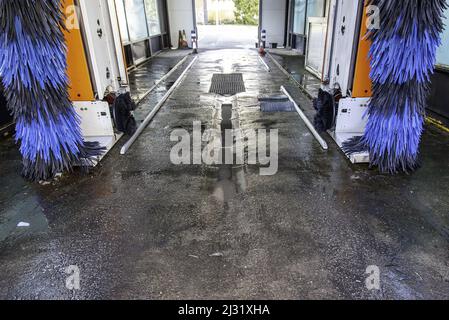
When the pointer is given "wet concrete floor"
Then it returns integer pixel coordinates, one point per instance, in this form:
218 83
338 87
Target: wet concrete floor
295 64
140 227
143 78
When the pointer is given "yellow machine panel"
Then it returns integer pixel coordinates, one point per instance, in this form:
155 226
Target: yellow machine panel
362 81
80 84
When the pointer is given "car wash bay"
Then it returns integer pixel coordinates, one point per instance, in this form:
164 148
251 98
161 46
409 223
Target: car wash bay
140 227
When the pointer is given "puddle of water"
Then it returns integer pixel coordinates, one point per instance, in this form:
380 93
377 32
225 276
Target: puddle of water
27 210
231 180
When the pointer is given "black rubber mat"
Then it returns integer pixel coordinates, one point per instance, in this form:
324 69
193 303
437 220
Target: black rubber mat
227 84
276 104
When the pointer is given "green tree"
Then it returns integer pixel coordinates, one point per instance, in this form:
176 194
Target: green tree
247 12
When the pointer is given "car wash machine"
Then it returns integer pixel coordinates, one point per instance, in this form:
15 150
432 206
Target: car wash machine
378 59
59 59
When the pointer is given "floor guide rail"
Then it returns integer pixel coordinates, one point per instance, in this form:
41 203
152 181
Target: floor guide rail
306 120
158 82
156 109
262 61
290 76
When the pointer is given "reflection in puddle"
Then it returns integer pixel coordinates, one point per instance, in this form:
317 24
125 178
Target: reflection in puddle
26 211
231 180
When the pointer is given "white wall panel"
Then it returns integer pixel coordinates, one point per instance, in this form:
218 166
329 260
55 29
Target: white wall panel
344 37
273 20
181 17
99 35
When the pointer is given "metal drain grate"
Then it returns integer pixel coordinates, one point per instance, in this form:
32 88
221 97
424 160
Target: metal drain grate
227 84
276 104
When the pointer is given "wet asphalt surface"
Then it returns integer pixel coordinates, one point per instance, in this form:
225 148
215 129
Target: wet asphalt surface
140 227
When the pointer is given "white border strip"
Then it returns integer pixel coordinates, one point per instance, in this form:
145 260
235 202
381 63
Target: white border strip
264 63
306 121
156 109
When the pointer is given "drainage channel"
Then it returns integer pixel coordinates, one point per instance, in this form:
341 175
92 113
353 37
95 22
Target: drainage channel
231 175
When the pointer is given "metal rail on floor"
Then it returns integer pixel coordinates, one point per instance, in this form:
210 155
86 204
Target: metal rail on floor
279 65
6 128
158 82
437 123
156 109
264 63
306 120
289 75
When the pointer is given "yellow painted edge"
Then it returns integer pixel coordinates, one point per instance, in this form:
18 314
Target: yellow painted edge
362 84
437 124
